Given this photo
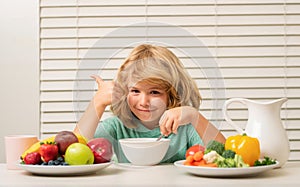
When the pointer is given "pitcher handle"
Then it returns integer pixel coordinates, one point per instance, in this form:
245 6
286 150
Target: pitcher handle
226 115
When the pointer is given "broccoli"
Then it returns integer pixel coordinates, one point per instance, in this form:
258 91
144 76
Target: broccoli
228 154
225 162
265 161
207 151
230 163
215 146
239 161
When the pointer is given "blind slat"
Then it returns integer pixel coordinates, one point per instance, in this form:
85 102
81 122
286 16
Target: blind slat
196 73
114 63
247 41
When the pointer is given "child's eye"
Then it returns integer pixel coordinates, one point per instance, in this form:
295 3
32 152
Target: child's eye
155 92
134 91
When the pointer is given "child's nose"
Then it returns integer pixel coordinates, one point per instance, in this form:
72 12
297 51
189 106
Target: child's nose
144 100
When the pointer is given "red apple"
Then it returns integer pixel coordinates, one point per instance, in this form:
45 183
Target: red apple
102 150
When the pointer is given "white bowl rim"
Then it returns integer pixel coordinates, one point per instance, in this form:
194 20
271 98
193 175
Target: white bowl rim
142 140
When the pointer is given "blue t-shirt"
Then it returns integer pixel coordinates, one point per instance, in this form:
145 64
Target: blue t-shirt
114 130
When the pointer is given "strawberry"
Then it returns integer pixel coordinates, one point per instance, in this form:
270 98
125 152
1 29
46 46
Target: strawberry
48 151
33 158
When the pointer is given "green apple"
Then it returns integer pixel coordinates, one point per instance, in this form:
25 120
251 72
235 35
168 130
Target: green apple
79 154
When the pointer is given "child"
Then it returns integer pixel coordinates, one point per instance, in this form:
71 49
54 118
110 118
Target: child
152 95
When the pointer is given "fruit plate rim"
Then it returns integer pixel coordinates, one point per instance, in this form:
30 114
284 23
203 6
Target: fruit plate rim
224 172
68 170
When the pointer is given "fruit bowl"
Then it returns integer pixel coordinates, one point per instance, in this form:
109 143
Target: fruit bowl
64 170
144 151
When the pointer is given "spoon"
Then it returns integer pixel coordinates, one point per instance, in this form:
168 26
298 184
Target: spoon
160 137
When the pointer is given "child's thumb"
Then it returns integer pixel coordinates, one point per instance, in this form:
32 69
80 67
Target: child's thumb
98 79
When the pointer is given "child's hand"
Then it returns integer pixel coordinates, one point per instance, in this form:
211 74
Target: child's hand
175 117
103 96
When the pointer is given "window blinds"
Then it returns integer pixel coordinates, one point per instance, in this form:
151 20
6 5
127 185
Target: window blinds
253 51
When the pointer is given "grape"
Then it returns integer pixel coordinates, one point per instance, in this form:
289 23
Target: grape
60 161
51 162
65 164
44 164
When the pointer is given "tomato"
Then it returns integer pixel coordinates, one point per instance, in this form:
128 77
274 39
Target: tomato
194 149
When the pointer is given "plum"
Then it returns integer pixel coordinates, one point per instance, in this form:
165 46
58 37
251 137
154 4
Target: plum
63 139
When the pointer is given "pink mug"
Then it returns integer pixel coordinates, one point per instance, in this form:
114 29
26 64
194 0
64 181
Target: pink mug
15 145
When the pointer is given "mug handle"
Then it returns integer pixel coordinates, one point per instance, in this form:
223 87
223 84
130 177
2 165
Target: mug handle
226 115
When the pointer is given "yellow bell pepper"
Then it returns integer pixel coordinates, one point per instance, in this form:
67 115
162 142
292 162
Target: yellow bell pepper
246 146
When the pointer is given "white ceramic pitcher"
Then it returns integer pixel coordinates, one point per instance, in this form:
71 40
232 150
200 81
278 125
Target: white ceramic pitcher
264 123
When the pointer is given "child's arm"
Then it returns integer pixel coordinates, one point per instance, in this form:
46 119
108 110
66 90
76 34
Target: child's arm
88 123
208 131
175 117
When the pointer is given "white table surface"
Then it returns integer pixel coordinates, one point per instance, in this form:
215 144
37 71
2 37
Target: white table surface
160 175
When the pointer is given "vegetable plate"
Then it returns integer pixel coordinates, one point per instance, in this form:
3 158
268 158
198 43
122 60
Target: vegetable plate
224 172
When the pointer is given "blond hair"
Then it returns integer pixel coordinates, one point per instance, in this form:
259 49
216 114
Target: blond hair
158 66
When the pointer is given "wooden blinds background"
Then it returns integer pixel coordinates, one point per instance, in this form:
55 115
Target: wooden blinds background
245 48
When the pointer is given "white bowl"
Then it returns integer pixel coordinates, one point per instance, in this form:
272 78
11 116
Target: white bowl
144 151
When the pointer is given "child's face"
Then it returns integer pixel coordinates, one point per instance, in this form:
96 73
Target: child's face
147 102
